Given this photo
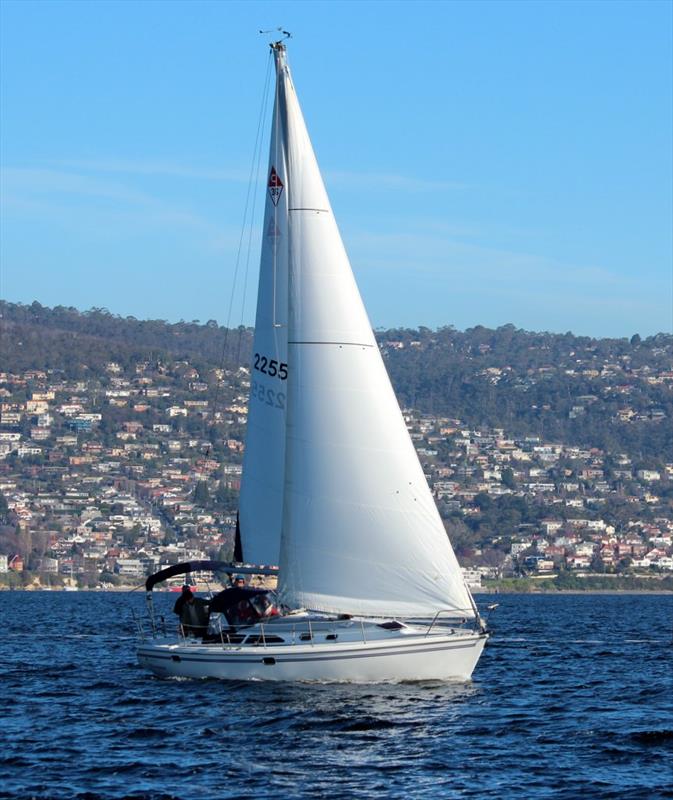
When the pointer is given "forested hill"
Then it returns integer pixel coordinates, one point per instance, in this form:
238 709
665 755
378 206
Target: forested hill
79 343
615 394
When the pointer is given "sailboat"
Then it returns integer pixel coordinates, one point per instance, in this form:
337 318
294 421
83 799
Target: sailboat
369 588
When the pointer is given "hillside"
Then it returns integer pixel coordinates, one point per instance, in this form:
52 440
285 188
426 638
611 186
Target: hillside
614 394
121 445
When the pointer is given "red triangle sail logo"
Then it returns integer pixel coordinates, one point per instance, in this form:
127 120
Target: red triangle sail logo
275 186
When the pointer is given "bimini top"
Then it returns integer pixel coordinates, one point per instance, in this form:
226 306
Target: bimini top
206 566
228 598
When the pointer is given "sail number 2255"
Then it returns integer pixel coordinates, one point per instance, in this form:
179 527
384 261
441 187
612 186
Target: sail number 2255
270 367
269 397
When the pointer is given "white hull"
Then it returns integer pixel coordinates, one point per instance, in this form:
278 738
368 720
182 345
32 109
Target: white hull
450 656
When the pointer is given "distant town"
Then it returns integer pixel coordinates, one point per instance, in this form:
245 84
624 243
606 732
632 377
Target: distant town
129 467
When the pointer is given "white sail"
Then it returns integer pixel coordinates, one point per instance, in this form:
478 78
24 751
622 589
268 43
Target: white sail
261 500
361 533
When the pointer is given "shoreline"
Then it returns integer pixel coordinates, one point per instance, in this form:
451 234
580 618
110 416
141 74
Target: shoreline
483 590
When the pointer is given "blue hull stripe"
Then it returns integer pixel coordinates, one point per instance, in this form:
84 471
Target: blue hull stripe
280 659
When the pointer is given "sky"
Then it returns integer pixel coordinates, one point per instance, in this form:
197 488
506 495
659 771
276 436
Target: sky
487 162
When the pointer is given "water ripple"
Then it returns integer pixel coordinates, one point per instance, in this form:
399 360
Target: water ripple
573 698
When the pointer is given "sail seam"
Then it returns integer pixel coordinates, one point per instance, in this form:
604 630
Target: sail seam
322 210
351 344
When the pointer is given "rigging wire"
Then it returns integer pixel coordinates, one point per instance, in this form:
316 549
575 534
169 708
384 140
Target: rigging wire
256 156
255 182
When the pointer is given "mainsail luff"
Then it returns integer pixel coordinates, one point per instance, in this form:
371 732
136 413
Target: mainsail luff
360 530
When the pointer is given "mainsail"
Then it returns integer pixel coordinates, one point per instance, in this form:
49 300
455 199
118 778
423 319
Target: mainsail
261 501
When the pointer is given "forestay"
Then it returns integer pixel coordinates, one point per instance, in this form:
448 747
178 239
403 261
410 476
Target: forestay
360 530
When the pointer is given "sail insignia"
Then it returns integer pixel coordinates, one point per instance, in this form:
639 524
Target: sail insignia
275 186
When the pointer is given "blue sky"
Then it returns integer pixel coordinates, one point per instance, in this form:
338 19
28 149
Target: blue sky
488 162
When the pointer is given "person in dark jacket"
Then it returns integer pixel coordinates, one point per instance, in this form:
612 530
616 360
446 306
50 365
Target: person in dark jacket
193 613
180 602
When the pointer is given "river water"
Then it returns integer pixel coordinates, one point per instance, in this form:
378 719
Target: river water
572 698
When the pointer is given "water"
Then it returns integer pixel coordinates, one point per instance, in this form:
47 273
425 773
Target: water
572 698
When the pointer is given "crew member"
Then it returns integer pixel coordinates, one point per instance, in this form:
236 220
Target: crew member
193 613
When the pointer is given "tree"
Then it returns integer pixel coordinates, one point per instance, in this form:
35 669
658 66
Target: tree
483 501
201 495
597 564
169 537
225 497
508 478
460 536
624 564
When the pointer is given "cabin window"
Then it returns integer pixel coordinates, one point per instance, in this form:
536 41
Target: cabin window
264 640
393 625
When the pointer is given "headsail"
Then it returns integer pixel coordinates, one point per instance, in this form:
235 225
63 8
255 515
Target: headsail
361 532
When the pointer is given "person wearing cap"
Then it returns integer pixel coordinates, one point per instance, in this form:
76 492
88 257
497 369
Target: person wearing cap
243 612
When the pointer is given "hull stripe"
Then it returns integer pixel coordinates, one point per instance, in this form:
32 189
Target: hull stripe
280 659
